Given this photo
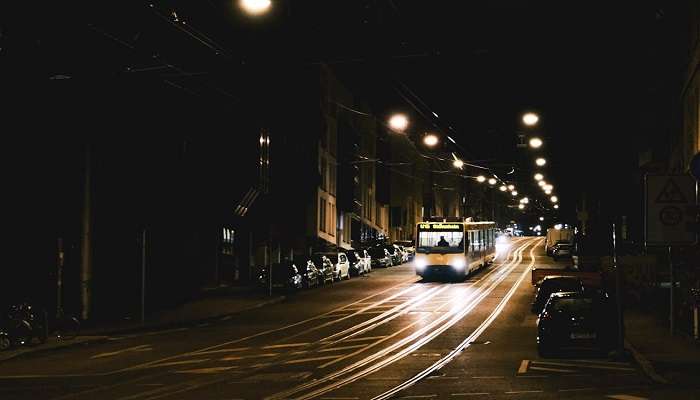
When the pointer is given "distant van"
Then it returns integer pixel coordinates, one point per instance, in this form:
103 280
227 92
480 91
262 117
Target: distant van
556 235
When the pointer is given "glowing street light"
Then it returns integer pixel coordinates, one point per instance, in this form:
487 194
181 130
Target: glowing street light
540 162
554 199
548 187
542 183
492 181
430 140
255 7
541 218
556 206
398 122
524 200
539 177
535 143
530 119
521 206
511 187
503 188
481 178
514 193
547 192
457 163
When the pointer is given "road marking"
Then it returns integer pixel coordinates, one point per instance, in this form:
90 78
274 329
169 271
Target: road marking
523 366
603 362
532 376
424 396
551 369
279 346
356 346
224 350
339 398
470 394
442 377
524 391
143 347
558 364
361 339
170 364
625 397
576 389
488 377
212 370
236 358
303 360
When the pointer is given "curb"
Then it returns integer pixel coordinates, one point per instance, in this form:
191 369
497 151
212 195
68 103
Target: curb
39 349
646 365
180 324
103 336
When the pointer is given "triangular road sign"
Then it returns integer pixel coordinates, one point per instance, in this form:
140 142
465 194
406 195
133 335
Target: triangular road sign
671 194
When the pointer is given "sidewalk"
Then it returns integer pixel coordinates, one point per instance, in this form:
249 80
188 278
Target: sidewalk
665 358
218 304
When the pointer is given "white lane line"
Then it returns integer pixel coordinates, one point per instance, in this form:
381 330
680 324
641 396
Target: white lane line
236 358
356 346
172 363
442 377
523 366
237 349
303 360
366 338
470 394
424 396
280 346
524 391
551 369
142 347
212 370
576 389
558 364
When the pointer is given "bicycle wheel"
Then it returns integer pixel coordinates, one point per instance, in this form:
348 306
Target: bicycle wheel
68 328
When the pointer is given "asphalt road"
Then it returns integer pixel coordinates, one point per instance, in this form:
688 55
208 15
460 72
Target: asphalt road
388 335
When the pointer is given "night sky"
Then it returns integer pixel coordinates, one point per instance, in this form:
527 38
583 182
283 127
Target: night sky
600 76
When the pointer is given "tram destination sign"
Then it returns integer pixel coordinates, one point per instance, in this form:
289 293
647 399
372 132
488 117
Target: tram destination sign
671 210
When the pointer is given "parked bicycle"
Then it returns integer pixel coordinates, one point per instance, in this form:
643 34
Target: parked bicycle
23 324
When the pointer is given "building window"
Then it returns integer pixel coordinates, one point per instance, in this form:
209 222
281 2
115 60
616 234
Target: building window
331 177
227 241
322 214
324 173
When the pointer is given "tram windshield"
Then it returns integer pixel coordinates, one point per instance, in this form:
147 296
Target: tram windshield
440 241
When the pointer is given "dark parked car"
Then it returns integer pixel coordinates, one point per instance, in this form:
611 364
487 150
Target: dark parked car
575 319
552 284
357 263
394 253
325 267
380 257
310 274
285 276
561 250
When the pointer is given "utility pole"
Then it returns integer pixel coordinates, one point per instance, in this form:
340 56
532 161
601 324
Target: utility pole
86 240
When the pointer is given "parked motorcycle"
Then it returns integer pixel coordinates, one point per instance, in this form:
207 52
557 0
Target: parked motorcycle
21 324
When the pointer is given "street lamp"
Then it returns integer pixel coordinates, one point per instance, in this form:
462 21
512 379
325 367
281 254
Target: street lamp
255 7
540 162
430 139
554 199
524 200
541 218
398 122
492 181
514 193
556 206
548 187
535 143
457 163
539 177
481 178
511 187
521 206
503 188
530 119
541 183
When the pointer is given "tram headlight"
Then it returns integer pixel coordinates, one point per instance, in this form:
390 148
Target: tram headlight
420 264
457 264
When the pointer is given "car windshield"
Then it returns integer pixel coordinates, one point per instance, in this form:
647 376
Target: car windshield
376 252
561 285
571 306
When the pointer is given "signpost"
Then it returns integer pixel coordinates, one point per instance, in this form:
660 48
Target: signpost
670 217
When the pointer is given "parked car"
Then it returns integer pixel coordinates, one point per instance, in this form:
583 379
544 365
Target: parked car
552 284
340 263
357 263
394 254
573 318
561 250
409 247
285 276
403 252
380 257
366 258
325 268
310 274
